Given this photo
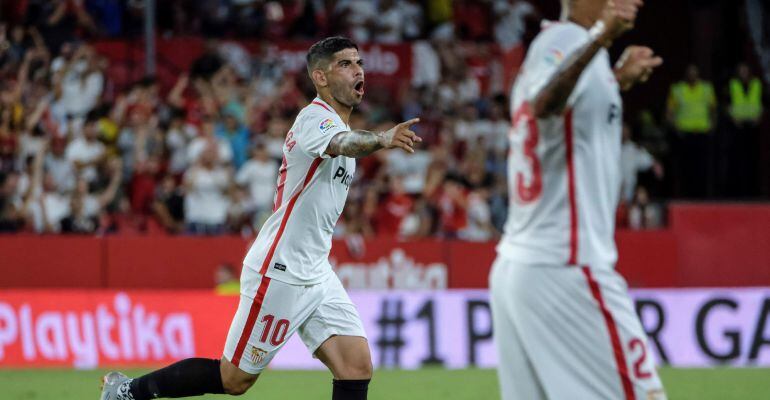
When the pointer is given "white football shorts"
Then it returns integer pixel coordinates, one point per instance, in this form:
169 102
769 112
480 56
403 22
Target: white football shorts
265 320
567 332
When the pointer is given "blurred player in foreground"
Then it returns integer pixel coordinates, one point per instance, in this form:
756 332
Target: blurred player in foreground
564 324
287 284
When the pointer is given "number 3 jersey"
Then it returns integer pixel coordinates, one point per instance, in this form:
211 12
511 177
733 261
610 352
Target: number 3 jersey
564 170
293 244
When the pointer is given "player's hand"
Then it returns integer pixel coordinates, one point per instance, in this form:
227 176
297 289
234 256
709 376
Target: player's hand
636 65
401 136
618 17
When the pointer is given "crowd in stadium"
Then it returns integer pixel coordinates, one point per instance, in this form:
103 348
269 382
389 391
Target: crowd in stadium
203 157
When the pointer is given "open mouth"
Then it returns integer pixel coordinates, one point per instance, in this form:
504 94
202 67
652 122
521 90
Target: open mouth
359 87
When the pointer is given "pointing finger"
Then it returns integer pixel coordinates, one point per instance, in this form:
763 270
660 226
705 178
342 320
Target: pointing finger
409 123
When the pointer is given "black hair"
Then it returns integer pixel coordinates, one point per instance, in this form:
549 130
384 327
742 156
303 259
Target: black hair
324 49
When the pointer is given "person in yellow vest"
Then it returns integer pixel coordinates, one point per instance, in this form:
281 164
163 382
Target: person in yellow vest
745 109
227 282
691 110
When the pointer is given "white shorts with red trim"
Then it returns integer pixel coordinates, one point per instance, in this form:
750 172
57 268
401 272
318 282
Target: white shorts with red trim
568 333
265 322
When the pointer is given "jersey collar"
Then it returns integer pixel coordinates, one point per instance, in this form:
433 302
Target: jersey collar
317 101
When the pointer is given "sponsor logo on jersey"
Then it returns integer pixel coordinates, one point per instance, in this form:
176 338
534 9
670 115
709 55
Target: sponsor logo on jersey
257 355
326 125
345 177
554 57
279 267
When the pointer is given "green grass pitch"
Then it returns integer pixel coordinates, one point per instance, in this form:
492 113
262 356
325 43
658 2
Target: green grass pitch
426 384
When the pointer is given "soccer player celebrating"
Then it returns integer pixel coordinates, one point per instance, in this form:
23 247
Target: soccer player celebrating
564 324
287 284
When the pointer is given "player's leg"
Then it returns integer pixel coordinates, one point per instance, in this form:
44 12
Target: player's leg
350 362
563 333
576 344
611 288
335 335
190 377
516 375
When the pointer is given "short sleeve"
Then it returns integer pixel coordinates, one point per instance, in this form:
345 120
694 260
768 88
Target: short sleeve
317 131
554 46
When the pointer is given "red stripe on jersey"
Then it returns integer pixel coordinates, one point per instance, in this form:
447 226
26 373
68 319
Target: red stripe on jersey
281 185
256 306
289 207
573 217
318 103
617 348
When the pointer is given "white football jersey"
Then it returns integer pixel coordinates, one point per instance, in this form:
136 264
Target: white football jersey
564 171
293 244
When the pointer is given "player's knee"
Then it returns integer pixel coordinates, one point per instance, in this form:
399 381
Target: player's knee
360 369
237 385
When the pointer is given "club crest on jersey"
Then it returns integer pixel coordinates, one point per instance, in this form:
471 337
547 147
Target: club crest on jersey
257 355
326 125
554 57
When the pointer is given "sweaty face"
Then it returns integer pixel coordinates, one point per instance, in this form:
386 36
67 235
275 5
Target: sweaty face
345 75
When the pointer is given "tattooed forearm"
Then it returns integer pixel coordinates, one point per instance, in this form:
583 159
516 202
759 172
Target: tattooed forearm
553 97
354 144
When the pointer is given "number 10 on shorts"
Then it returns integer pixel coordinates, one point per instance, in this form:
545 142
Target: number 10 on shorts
279 333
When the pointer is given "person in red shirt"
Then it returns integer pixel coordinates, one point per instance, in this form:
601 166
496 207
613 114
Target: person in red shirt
394 208
452 203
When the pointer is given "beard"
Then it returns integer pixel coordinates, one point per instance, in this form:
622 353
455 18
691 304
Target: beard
346 95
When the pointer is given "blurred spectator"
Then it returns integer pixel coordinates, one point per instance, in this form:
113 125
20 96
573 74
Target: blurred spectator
389 24
168 205
634 159
452 203
206 203
510 18
472 19
479 227
226 280
85 151
259 175
61 168
411 168
413 18
78 84
692 112
357 16
644 214
745 109
44 206
241 212
235 134
58 19
395 206
439 14
88 210
206 138
421 222
426 68
178 137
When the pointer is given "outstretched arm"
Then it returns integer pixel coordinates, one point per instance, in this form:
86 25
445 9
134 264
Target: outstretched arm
359 143
618 17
